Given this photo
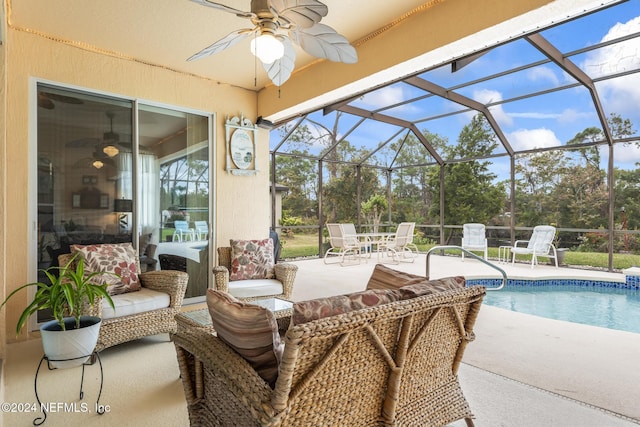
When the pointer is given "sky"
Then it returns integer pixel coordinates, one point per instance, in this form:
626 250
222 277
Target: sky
543 121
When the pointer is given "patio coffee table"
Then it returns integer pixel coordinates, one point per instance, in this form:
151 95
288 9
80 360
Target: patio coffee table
282 310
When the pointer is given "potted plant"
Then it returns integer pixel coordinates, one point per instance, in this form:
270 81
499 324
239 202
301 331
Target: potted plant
71 335
560 252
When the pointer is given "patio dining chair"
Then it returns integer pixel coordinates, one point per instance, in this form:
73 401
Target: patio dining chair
540 244
474 238
342 243
400 244
349 230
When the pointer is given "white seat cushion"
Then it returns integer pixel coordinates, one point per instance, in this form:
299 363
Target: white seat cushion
135 302
255 288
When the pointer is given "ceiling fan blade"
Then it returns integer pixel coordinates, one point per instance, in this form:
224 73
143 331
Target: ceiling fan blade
322 41
45 102
83 143
240 13
302 13
225 42
280 70
63 98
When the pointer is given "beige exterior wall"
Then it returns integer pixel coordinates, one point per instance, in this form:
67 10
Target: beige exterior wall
31 56
3 186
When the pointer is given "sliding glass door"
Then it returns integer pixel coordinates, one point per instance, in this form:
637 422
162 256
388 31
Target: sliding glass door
113 170
179 207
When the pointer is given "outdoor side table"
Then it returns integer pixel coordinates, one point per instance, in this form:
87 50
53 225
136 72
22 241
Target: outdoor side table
504 253
282 310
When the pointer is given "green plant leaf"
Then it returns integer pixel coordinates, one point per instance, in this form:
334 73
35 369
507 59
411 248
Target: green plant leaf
66 293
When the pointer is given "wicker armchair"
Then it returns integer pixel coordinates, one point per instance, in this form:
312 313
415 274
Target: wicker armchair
197 271
280 287
395 364
120 329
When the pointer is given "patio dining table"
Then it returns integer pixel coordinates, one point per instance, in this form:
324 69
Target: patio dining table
377 239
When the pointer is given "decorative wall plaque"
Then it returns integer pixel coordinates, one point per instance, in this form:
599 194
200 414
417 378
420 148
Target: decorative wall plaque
241 146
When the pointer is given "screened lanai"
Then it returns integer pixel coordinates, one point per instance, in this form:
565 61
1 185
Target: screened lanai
540 129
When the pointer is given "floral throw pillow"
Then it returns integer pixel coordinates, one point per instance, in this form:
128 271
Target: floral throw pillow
252 259
307 311
112 258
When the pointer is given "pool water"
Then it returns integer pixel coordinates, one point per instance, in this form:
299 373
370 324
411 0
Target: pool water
612 308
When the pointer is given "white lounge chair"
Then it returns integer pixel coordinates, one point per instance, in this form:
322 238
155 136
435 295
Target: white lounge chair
201 230
182 231
540 244
474 238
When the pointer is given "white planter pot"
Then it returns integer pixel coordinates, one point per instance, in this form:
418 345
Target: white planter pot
59 345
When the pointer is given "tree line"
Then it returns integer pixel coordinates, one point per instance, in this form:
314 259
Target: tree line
566 187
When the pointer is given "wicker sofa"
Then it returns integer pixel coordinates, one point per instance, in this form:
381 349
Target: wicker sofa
393 364
280 287
149 311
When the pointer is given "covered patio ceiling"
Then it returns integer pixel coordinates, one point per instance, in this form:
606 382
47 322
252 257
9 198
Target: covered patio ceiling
537 92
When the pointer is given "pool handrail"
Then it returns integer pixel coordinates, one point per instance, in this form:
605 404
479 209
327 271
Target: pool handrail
471 254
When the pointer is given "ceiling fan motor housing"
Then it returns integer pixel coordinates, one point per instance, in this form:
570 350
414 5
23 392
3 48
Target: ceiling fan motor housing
261 8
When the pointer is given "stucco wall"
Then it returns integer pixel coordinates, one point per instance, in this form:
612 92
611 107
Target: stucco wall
3 175
32 56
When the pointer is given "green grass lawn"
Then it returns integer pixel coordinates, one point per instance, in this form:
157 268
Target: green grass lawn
298 246
306 245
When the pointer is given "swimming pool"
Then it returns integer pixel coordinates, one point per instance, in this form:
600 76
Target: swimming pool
607 306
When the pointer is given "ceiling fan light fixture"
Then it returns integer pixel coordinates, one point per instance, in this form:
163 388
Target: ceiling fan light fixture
111 150
97 164
267 48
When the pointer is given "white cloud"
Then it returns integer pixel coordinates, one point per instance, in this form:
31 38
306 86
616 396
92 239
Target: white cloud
383 97
535 115
625 154
526 139
622 94
569 115
542 74
486 96
572 116
618 57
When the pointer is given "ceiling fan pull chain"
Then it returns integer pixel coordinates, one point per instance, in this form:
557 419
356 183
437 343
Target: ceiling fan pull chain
255 65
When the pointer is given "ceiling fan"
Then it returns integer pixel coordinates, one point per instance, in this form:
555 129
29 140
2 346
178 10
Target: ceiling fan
46 100
278 23
98 160
107 147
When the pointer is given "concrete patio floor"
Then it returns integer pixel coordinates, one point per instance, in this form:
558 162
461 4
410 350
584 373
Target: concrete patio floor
521 370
